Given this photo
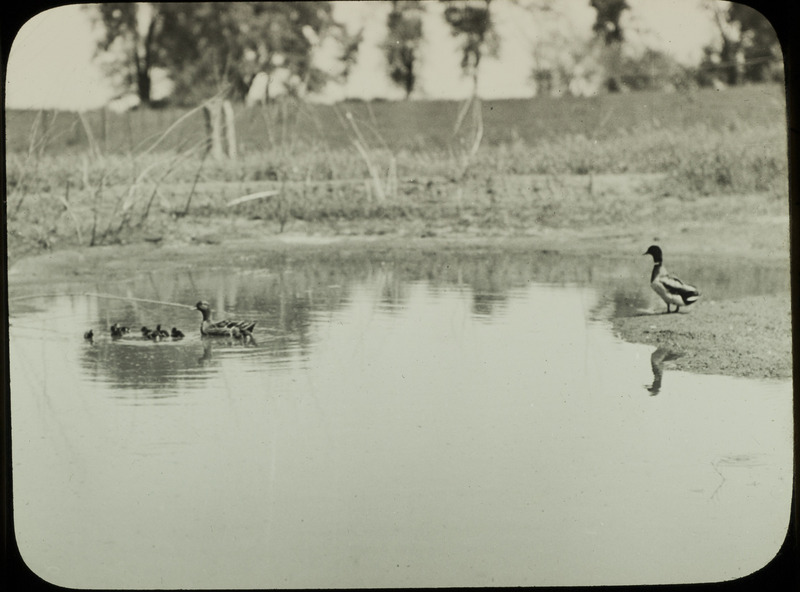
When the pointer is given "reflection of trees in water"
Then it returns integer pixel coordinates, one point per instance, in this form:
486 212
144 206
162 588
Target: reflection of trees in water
392 290
625 288
623 299
285 293
284 296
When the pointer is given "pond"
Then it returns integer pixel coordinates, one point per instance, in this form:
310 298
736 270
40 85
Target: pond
439 420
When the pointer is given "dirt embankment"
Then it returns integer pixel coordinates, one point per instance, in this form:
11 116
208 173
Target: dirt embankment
750 337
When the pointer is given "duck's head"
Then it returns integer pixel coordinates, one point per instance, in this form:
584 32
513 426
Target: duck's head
655 251
202 306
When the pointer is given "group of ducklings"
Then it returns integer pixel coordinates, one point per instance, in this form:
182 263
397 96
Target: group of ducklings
157 334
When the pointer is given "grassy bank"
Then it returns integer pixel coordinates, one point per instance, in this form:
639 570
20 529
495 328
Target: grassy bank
636 159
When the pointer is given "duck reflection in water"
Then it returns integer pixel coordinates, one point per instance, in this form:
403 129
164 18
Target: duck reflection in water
210 344
208 354
657 360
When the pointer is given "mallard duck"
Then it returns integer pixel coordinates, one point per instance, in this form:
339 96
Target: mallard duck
118 331
671 289
223 328
177 333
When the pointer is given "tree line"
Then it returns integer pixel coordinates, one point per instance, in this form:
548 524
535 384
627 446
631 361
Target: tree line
207 48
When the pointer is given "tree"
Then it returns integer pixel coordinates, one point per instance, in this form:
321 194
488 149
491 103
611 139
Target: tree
653 70
131 35
748 48
402 43
206 47
350 45
472 21
608 29
218 43
606 24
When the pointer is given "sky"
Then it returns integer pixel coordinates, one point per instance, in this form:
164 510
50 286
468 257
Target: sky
52 65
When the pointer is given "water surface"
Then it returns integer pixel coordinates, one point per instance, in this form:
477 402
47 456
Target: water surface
423 421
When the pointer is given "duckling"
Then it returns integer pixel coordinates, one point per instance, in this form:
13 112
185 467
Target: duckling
89 335
146 332
161 332
117 331
177 333
224 328
670 288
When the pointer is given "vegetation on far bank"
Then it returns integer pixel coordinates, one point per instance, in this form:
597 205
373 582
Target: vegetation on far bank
535 164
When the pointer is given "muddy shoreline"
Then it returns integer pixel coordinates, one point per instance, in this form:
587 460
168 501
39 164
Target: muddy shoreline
748 337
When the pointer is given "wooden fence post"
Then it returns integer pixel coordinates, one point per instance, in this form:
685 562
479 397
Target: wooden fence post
230 129
220 129
213 116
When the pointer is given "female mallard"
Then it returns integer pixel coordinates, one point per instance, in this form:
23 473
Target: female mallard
224 328
671 289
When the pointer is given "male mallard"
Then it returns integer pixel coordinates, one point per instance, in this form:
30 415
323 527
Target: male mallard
177 333
118 331
224 328
671 289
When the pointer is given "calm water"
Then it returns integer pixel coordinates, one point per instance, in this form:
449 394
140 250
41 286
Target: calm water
435 420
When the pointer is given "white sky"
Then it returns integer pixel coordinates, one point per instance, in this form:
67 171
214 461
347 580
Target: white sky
51 62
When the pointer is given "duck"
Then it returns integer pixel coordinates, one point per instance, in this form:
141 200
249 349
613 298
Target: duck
177 333
89 335
156 334
672 290
118 331
151 334
223 328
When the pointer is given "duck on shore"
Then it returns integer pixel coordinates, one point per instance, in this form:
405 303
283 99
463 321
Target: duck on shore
671 289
